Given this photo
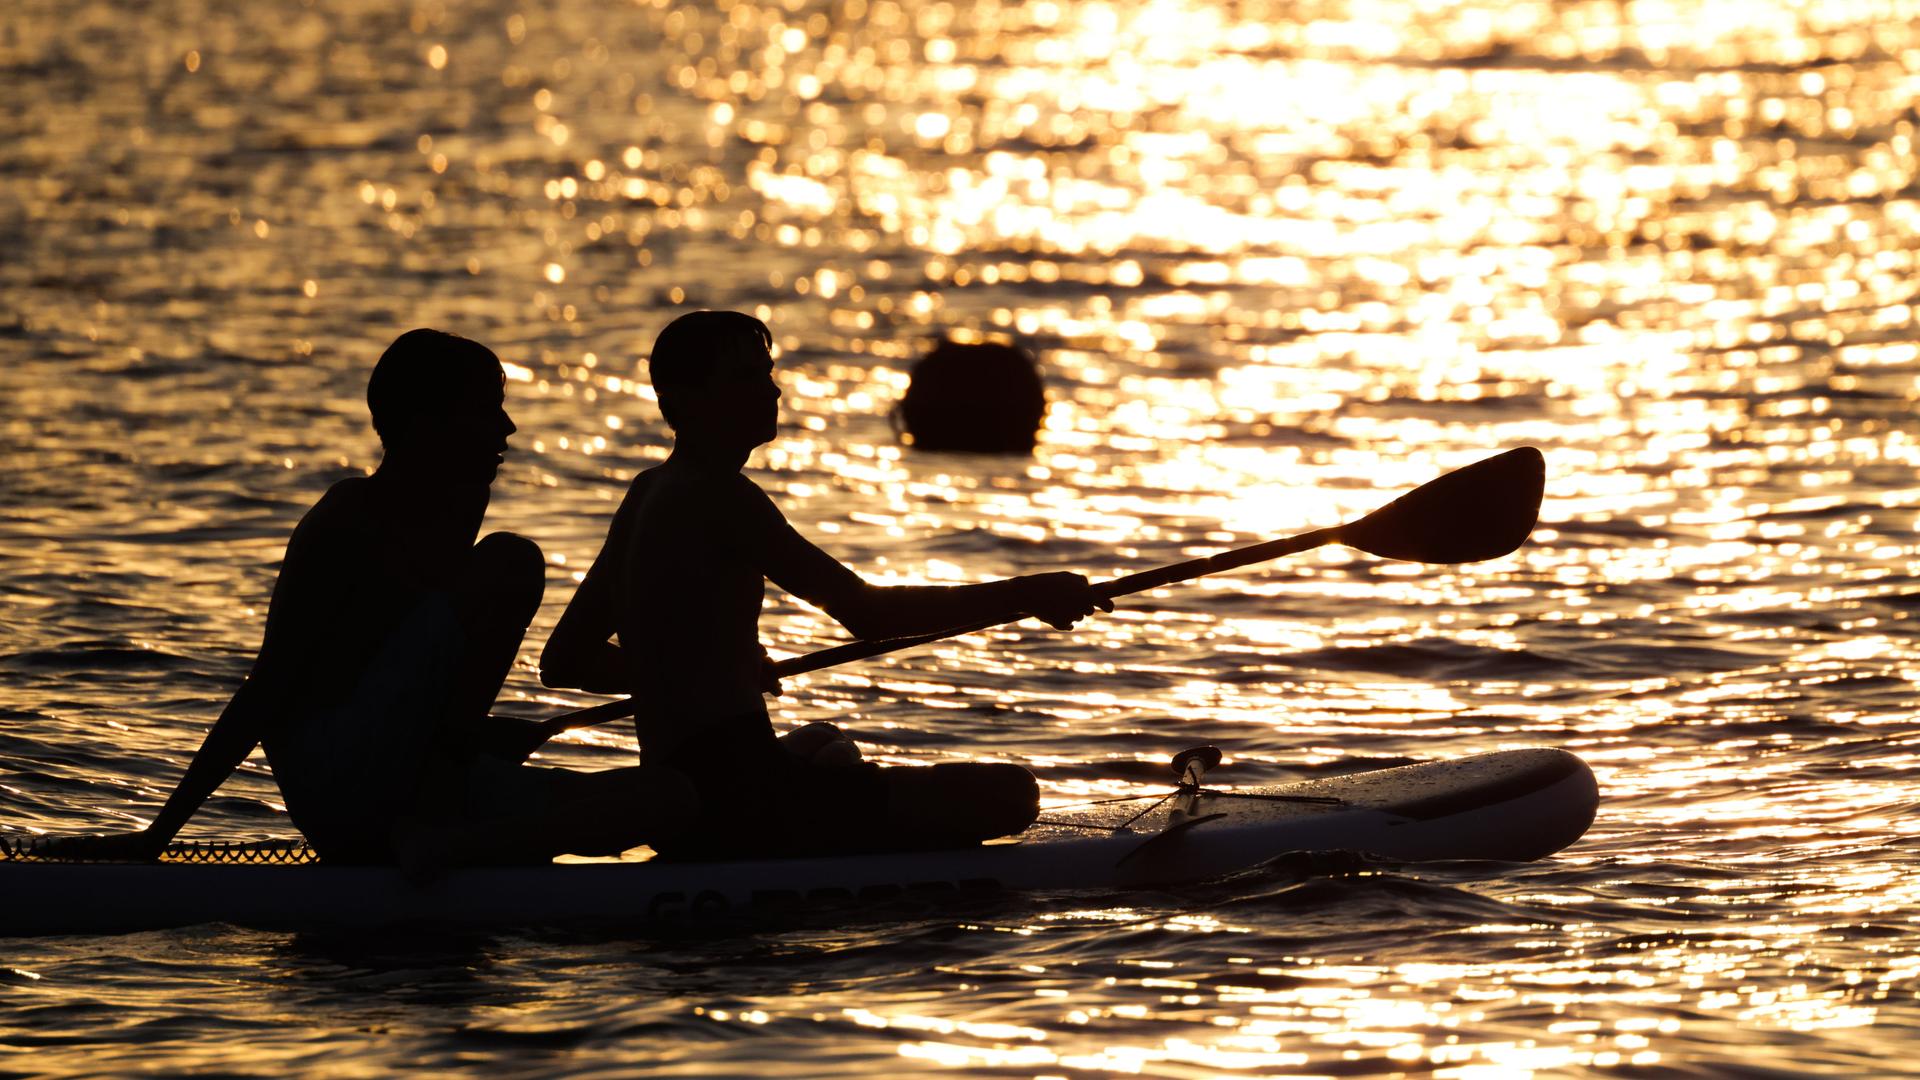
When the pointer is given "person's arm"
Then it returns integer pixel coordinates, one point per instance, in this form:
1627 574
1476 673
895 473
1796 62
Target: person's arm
232 737
888 611
580 653
875 612
292 622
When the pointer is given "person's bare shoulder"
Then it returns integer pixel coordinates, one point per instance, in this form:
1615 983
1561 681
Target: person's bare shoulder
644 477
745 516
691 503
351 495
755 495
671 488
344 515
643 482
348 504
742 502
634 500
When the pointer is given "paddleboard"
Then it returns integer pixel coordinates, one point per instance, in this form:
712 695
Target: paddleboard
1506 805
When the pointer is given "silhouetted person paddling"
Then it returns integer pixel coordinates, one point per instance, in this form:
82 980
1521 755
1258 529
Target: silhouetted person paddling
389 635
680 579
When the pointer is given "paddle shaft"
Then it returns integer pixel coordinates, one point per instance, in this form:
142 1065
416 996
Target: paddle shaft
862 650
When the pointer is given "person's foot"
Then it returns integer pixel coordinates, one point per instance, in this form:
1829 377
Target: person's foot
822 744
960 803
840 754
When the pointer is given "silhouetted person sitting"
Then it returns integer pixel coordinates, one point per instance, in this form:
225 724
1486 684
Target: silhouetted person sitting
389 635
681 578
984 398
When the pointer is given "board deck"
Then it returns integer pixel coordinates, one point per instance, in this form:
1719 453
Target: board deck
1507 805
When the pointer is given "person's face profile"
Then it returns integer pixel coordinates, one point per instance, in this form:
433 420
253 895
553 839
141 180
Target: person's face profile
740 399
469 437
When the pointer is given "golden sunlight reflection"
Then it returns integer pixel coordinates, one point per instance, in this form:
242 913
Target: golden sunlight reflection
1304 1013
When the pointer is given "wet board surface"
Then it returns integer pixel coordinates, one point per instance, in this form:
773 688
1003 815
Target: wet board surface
1507 805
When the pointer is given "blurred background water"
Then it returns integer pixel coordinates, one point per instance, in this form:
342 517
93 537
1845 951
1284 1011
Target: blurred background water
1280 261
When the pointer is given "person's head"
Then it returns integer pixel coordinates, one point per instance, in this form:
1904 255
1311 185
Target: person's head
986 398
440 400
713 374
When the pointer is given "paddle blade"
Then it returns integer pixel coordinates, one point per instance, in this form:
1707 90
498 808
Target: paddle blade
1483 511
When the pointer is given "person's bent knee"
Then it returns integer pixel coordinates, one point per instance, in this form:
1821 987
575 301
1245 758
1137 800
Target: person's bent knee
507 574
510 553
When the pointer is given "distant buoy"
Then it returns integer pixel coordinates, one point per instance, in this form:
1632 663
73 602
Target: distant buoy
981 399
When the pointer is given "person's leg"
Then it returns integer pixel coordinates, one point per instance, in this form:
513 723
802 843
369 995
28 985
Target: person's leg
398 751
495 598
958 803
539 813
845 810
350 766
740 773
605 813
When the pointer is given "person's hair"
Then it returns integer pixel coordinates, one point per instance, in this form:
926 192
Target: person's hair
422 372
683 354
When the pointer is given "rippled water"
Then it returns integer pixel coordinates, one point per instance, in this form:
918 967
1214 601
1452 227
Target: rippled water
1281 261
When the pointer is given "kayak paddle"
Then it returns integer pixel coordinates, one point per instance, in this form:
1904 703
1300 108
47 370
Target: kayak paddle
1482 511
